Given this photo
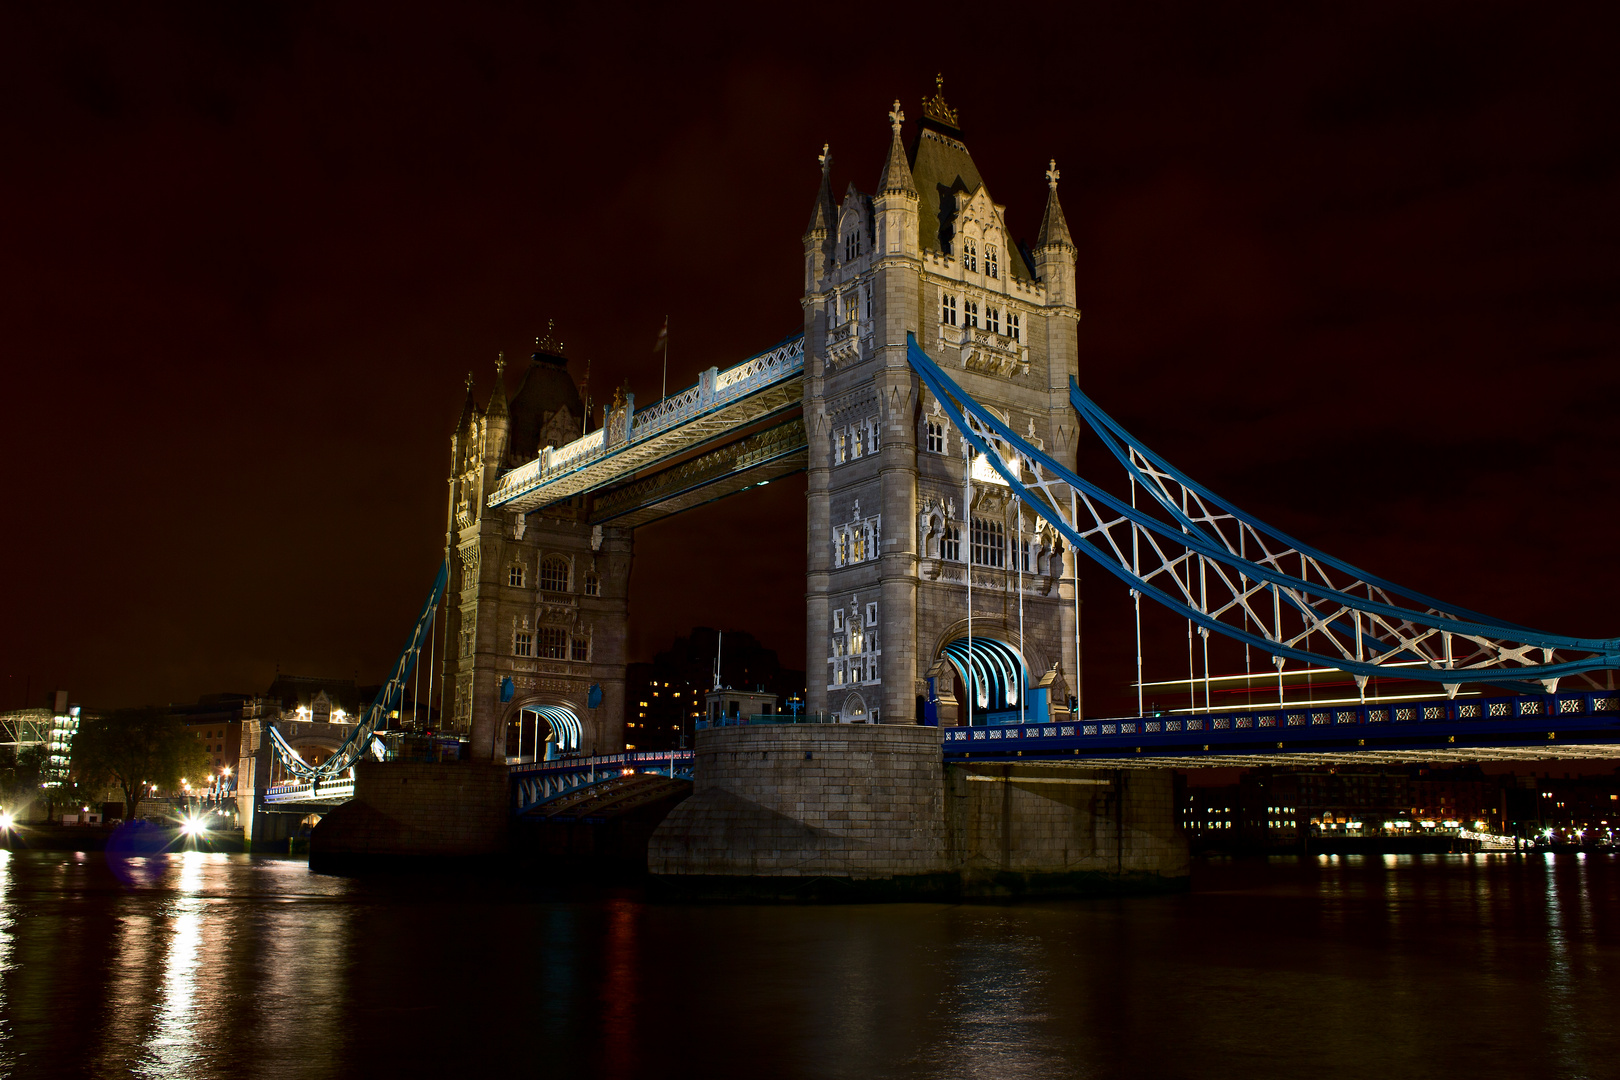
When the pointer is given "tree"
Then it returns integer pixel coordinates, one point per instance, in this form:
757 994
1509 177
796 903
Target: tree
19 776
132 748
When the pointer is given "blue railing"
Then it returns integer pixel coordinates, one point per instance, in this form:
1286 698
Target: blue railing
1594 712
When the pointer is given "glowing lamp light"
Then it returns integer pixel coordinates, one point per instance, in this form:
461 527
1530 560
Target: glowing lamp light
6 820
194 826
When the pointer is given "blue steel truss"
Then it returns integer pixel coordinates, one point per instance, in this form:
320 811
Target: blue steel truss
1229 573
388 699
1507 728
537 783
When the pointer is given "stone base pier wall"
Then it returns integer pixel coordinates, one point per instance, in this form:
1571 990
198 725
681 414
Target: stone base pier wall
404 810
870 812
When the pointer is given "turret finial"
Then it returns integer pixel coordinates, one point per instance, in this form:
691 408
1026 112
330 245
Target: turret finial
824 159
500 364
934 108
546 344
896 117
469 382
1052 175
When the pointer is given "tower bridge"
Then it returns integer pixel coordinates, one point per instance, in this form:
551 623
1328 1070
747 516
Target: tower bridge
933 399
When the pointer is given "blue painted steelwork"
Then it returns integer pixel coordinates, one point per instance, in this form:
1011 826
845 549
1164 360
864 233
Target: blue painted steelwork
998 672
388 700
564 724
1198 565
1587 715
534 784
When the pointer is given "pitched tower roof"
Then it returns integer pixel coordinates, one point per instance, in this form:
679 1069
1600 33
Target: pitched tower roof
946 177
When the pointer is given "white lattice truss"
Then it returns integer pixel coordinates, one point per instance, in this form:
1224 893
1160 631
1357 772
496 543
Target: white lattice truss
1230 573
720 403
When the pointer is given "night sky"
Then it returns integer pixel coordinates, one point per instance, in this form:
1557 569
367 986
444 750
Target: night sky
1355 269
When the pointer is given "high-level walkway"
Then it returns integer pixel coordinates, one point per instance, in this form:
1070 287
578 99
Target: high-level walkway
648 463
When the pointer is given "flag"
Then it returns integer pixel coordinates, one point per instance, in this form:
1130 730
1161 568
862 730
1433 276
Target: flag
663 336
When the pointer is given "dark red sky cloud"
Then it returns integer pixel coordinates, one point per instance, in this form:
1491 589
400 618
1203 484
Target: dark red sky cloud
1356 270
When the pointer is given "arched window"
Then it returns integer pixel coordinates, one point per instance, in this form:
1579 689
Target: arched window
970 255
1012 325
989 541
990 260
992 320
553 643
554 573
947 310
593 584
522 644
970 313
515 575
936 438
951 547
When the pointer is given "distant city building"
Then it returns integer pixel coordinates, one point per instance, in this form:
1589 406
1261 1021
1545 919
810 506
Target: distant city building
666 697
730 704
51 726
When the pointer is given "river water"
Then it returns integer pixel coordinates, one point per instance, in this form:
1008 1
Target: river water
195 965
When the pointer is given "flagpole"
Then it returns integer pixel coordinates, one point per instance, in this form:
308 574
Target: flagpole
665 394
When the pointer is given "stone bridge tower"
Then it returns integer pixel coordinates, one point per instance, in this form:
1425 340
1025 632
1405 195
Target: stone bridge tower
892 537
539 602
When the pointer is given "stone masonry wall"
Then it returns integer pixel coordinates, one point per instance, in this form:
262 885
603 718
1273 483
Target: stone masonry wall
1030 819
839 800
405 809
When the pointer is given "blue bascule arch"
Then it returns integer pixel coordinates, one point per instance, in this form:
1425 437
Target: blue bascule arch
363 736
1229 573
993 672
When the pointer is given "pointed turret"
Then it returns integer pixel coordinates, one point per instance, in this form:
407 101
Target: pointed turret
1054 228
821 234
823 214
1054 247
497 420
896 202
497 397
896 177
469 408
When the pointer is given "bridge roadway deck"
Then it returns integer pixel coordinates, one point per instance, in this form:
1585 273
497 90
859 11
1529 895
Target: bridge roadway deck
722 405
1578 724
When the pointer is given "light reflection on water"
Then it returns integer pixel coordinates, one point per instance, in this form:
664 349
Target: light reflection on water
198 966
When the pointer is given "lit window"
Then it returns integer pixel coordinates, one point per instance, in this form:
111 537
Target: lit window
843 548
989 543
857 442
936 438
947 312
522 644
554 643
970 313
838 675
990 260
992 320
593 585
839 452
1012 326
515 575
857 545
857 641
970 256
554 573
